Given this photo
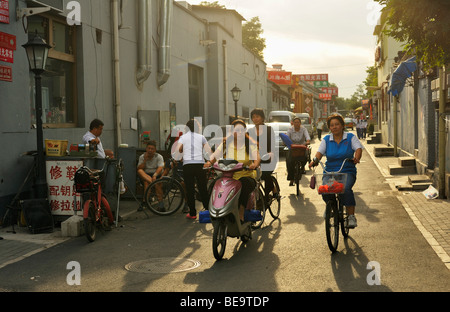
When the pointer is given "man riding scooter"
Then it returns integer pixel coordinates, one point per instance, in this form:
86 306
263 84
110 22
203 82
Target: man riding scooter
243 149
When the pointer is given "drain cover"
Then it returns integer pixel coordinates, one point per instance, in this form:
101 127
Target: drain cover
162 265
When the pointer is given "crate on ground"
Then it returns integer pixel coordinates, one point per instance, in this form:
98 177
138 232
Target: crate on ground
331 183
56 148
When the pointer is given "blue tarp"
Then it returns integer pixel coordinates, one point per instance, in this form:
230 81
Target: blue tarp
403 72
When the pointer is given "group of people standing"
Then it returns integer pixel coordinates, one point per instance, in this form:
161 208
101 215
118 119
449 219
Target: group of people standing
253 148
361 127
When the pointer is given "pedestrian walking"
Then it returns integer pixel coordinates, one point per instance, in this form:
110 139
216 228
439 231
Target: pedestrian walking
320 129
191 146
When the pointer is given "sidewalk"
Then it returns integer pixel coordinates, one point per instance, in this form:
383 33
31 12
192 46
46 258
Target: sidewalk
431 216
17 246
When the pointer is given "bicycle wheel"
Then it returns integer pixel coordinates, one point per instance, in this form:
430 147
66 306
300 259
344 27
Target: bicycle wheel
274 204
332 225
107 217
90 223
260 205
219 239
164 196
344 220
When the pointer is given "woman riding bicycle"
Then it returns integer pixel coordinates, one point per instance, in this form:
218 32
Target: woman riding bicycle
338 146
298 135
240 147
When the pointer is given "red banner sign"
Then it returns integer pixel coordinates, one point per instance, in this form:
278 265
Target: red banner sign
7 41
5 73
331 90
325 96
280 77
4 11
313 77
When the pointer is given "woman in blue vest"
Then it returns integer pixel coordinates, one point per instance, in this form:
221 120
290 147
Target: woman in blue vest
338 146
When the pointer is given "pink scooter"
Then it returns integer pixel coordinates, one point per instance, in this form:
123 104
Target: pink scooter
224 208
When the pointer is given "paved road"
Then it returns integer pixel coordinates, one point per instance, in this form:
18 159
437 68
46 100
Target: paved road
286 255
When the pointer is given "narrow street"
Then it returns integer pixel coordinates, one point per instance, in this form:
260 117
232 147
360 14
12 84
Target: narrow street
285 255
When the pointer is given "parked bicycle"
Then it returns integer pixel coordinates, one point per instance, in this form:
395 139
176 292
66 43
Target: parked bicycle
96 210
167 195
335 213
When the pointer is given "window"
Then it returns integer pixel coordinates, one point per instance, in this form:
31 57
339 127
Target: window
59 89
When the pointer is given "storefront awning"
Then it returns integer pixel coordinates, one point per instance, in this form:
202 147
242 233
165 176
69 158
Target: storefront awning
403 72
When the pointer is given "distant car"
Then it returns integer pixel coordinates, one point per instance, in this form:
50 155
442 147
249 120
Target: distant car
349 123
279 127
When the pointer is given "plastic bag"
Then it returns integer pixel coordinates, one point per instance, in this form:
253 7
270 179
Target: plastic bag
431 193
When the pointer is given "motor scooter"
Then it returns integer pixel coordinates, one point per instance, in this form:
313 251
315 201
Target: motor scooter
224 207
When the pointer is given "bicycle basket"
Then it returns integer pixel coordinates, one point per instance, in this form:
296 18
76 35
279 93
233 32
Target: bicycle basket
82 180
298 150
331 183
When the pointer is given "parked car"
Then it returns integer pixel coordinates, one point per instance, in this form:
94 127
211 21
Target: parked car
306 122
349 123
281 116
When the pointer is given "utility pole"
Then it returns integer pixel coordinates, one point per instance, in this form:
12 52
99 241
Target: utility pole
442 136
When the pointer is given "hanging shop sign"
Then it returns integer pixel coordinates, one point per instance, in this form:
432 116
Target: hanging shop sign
62 196
5 73
313 77
325 96
7 47
280 77
4 11
331 90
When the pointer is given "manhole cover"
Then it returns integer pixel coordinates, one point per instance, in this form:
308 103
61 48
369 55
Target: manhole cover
162 265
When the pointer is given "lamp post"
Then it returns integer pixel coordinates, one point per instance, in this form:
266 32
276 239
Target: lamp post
37 53
236 92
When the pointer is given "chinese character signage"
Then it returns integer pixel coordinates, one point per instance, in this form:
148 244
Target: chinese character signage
4 11
315 77
325 96
5 73
280 77
7 46
61 187
331 90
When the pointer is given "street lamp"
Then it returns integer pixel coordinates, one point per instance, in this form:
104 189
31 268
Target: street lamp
236 92
37 53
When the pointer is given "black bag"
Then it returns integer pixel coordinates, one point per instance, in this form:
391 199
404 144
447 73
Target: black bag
82 180
37 215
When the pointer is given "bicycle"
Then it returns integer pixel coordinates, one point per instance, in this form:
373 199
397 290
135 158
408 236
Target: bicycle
335 212
96 210
300 154
167 194
272 203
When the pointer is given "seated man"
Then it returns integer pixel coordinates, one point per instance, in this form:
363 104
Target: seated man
150 165
93 137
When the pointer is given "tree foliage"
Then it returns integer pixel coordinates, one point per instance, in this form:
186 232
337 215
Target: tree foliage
424 25
251 37
214 4
251 32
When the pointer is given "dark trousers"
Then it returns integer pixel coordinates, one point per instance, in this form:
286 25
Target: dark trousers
319 134
248 186
290 165
191 173
266 176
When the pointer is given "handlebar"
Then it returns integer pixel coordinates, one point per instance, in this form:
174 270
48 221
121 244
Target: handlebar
342 166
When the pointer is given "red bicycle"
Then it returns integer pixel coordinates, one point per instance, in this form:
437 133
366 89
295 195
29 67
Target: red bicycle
96 210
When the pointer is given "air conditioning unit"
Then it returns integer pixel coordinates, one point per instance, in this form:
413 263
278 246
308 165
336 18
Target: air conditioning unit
57 5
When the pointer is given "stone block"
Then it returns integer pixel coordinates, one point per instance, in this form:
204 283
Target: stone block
395 169
72 227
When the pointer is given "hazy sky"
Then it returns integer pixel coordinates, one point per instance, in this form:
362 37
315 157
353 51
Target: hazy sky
332 37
